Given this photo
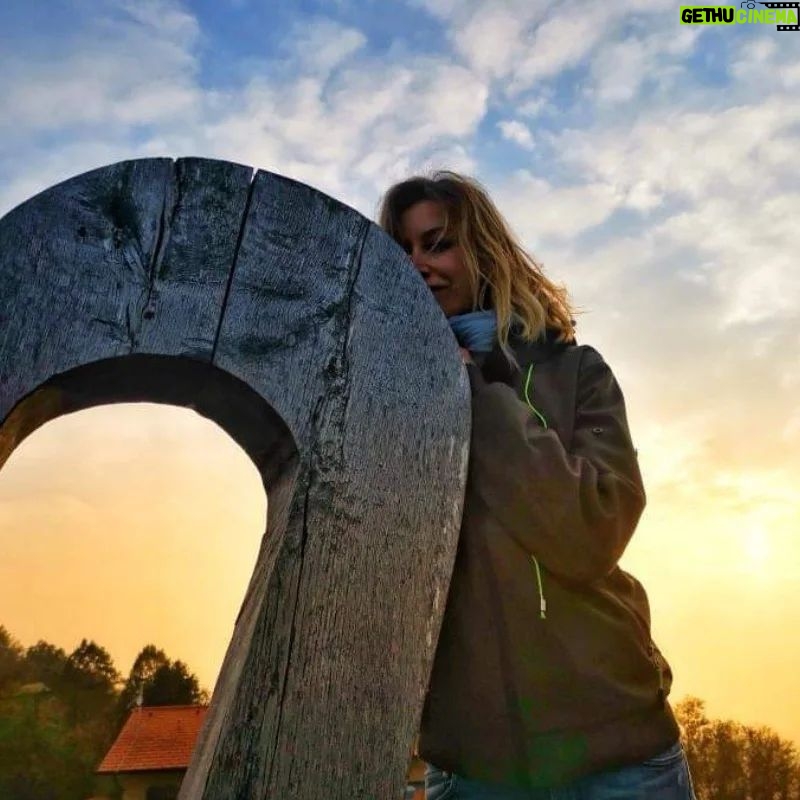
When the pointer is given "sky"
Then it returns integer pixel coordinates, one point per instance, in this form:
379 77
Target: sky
653 167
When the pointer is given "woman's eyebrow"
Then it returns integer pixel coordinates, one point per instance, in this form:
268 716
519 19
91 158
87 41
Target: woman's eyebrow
435 233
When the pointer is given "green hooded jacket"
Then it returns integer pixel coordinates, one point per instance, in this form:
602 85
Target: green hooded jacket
545 670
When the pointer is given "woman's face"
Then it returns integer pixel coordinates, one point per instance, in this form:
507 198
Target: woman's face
439 260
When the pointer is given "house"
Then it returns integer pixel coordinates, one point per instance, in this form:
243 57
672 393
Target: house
415 779
150 755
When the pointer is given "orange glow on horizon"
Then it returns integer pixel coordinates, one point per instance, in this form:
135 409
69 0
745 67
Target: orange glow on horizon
139 524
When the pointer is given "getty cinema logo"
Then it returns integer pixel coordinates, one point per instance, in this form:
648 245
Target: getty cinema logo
784 15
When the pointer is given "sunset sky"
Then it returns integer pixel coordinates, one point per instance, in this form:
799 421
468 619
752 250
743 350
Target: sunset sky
653 167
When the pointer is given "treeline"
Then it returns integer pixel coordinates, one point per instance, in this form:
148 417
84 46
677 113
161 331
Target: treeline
59 712
731 761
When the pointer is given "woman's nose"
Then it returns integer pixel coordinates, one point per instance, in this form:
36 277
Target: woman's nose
419 261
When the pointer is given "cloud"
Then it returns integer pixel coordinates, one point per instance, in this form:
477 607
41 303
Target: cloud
41 167
493 37
677 203
662 189
353 132
133 65
723 182
671 216
539 210
533 106
791 430
526 44
618 70
324 44
766 60
725 176
563 40
517 132
170 19
325 113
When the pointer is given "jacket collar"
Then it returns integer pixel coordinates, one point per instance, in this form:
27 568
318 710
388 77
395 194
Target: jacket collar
538 350
498 367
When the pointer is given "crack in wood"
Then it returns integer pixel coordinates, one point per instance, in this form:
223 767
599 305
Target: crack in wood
236 250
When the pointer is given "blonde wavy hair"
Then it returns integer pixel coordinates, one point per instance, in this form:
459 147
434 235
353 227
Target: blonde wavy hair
503 275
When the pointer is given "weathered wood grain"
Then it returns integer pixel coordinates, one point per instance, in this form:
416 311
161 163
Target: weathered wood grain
74 266
302 330
204 208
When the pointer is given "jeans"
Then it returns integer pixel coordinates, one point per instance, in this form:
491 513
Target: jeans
663 777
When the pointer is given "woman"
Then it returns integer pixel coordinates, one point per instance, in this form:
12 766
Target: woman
546 682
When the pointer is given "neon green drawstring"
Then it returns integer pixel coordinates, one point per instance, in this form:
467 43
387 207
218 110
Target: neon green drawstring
531 406
542 601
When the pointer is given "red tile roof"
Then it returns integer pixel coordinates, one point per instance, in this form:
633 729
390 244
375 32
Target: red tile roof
155 737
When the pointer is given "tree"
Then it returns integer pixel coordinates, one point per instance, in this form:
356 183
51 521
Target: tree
726 743
691 715
173 684
90 679
734 761
145 666
93 665
160 681
769 764
56 719
41 757
11 659
59 713
47 664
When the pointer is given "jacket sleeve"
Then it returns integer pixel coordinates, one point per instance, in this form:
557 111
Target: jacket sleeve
574 510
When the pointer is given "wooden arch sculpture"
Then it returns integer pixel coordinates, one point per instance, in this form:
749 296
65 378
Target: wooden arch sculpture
299 327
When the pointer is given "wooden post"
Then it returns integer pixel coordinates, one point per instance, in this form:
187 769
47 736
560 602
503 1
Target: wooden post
302 330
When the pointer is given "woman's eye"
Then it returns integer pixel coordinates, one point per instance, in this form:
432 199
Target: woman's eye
440 246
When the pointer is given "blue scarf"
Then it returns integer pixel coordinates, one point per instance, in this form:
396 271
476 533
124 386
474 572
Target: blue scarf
476 331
